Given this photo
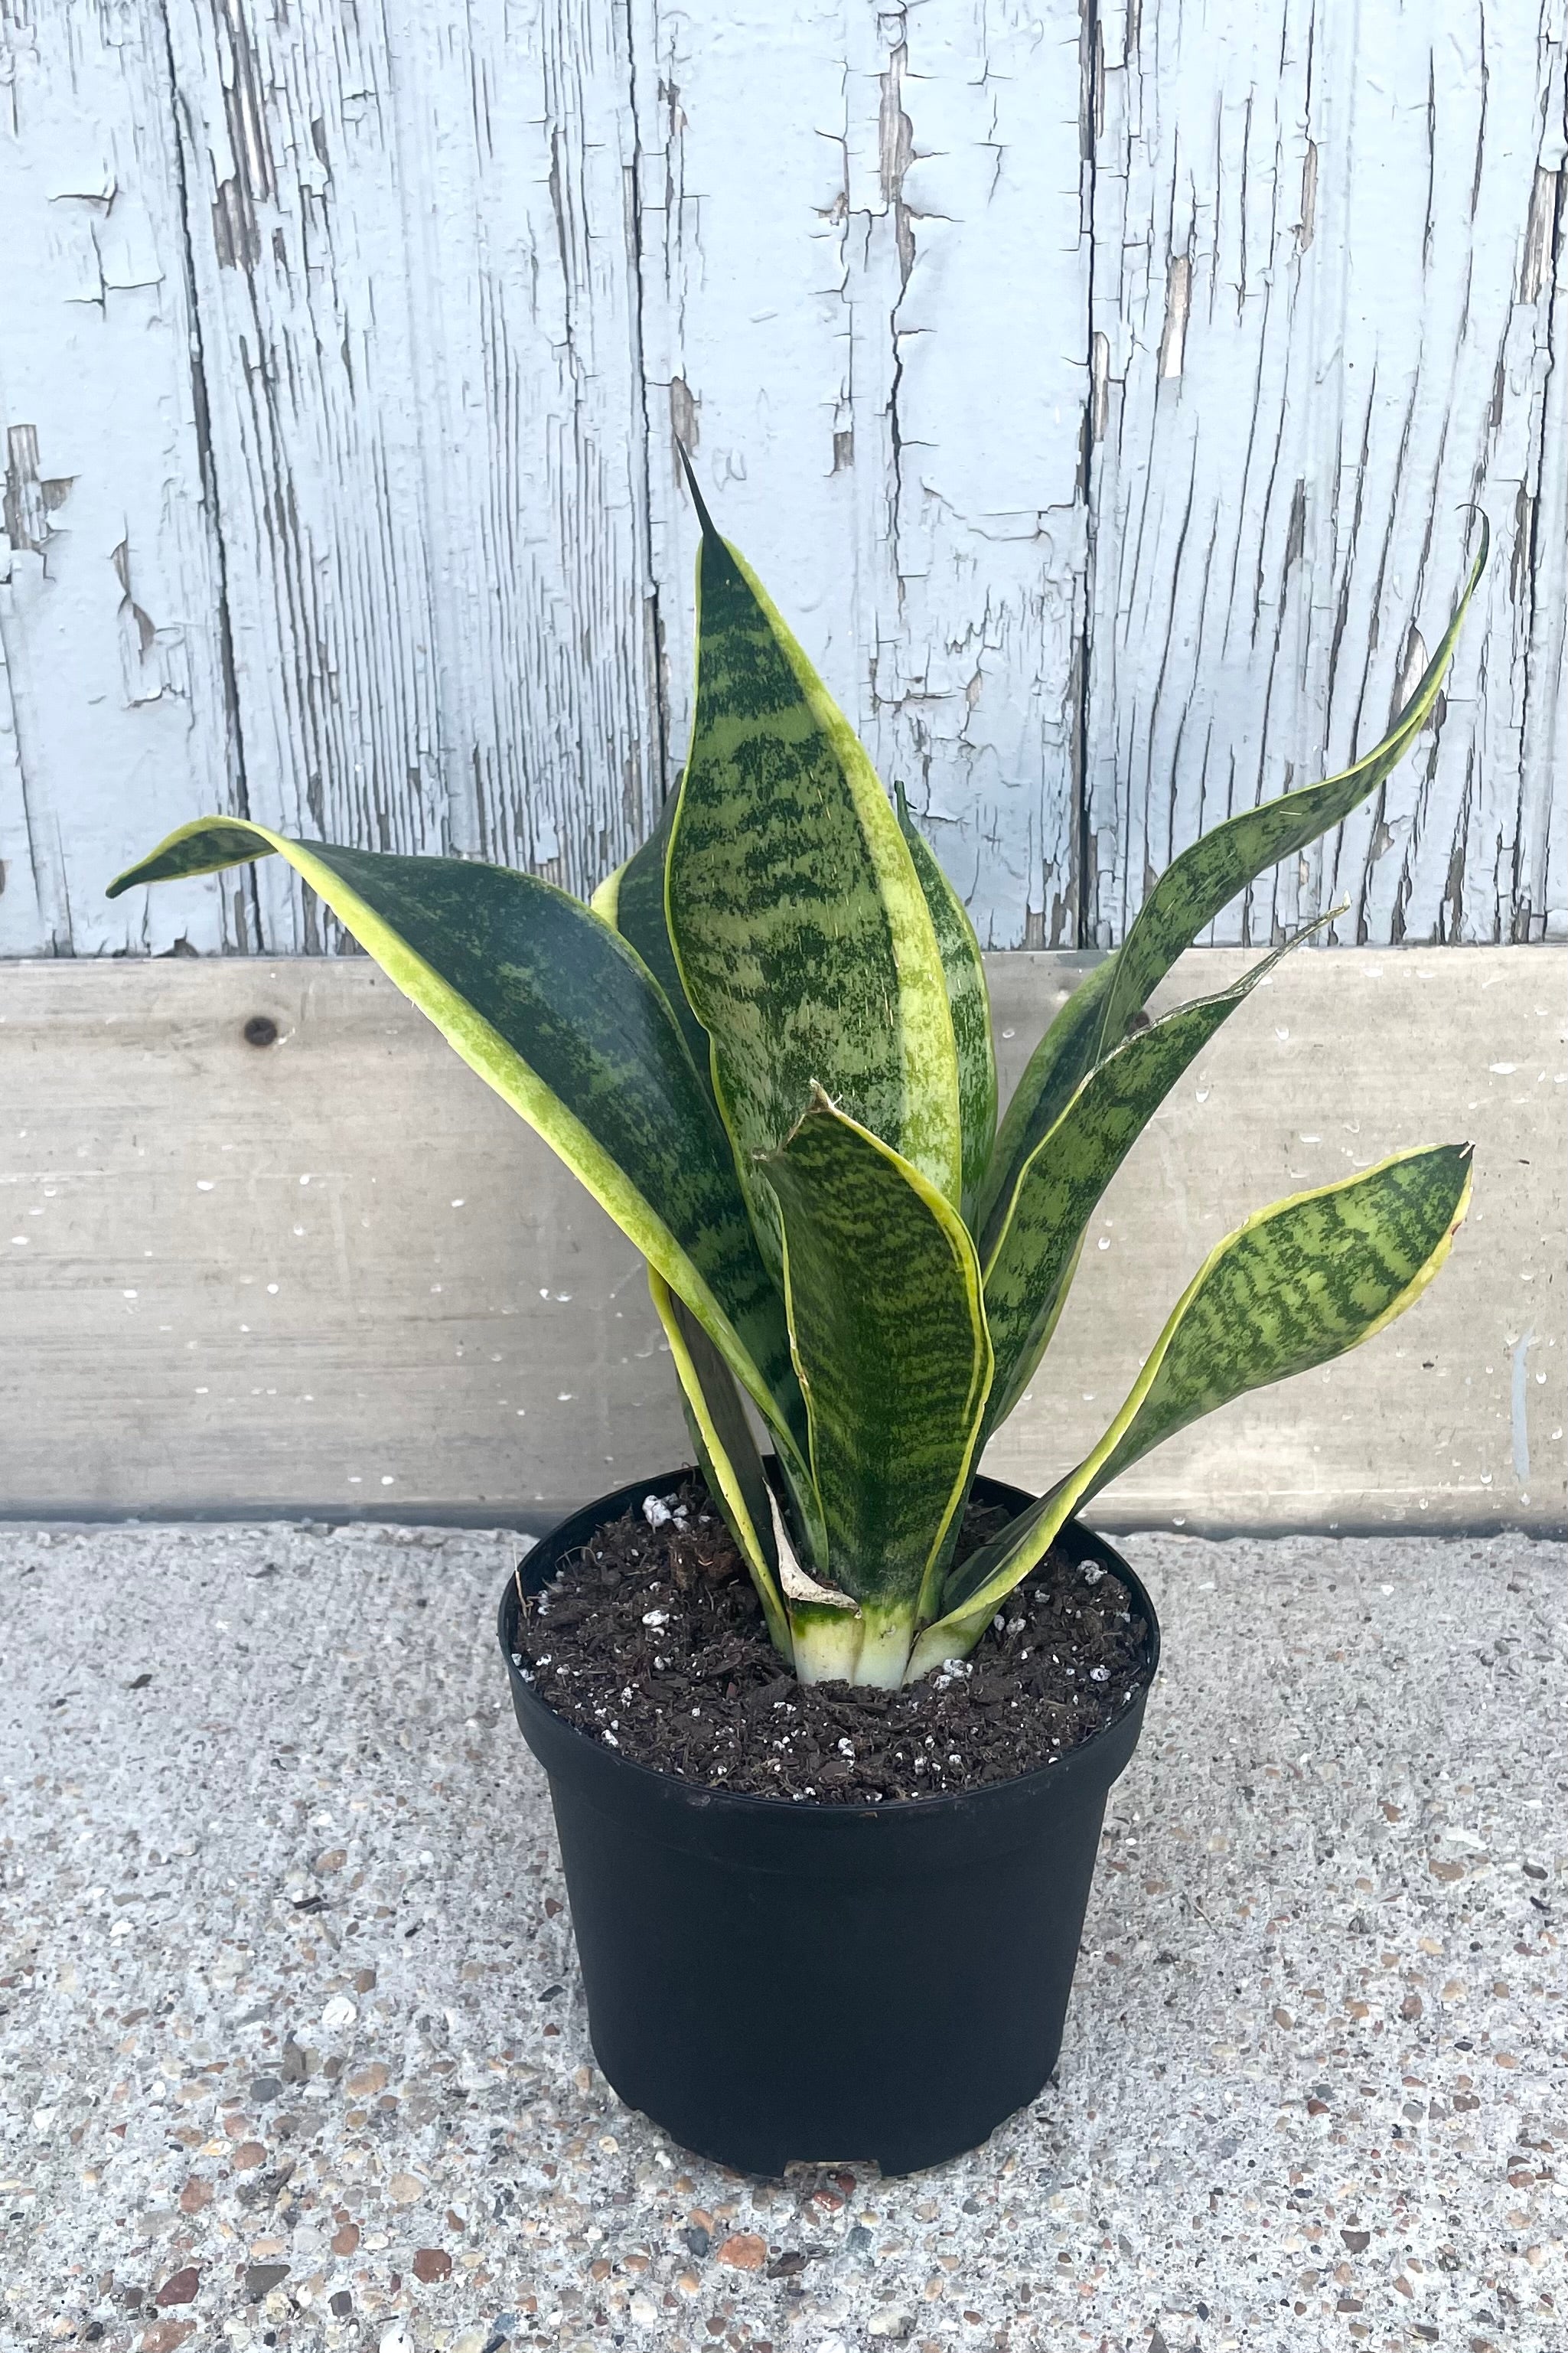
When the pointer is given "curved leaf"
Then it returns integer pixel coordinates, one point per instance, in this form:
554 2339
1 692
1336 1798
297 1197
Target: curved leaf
883 1291
1209 874
803 937
561 1017
968 1001
1297 1284
1054 1070
1192 892
1030 1268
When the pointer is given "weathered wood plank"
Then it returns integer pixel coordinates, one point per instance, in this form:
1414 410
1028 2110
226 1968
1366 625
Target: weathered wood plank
114 718
1099 390
1342 1056
22 929
410 240
1325 244
336 1273
865 277
334 1266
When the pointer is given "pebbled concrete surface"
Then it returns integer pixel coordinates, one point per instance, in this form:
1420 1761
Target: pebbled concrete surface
292 2051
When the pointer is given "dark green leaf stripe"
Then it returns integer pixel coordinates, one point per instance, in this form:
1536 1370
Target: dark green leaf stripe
1068 1172
1298 1283
1196 888
562 1018
968 1002
800 928
725 1448
883 1289
633 900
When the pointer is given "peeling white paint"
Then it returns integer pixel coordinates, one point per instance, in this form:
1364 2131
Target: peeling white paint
1327 269
112 713
879 353
1099 390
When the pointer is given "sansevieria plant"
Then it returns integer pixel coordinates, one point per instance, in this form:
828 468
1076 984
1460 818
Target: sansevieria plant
765 1048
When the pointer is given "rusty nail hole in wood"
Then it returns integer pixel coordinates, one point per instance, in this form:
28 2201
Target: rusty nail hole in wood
261 1030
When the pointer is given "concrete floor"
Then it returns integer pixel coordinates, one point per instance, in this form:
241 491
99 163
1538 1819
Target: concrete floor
293 2051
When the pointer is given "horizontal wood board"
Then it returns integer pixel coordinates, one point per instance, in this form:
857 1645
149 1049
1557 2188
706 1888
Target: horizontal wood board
1101 389
335 1275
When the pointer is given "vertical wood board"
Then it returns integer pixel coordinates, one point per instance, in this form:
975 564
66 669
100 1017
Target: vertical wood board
878 356
1325 319
114 719
410 241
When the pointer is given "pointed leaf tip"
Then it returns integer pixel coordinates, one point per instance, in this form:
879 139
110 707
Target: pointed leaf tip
557 1013
803 939
710 529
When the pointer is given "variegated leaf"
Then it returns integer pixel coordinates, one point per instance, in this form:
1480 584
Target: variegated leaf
883 1291
632 903
803 937
1295 1285
726 1451
1031 1259
968 1002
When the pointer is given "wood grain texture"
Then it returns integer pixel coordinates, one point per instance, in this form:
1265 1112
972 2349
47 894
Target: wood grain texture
1097 388
113 717
1325 322
336 1266
878 356
335 1273
409 238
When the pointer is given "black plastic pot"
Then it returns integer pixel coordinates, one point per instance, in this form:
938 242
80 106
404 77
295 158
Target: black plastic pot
773 1980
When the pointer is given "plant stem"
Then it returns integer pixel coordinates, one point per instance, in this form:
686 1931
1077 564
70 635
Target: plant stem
826 1643
869 1647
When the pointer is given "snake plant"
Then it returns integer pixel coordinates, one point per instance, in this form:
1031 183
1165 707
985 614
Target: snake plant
765 1048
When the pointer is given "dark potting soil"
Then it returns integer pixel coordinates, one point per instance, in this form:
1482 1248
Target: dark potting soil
652 1638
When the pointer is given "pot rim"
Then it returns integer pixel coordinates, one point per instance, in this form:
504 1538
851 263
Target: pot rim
710 1794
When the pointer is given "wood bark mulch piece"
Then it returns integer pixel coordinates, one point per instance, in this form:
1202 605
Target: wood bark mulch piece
652 1639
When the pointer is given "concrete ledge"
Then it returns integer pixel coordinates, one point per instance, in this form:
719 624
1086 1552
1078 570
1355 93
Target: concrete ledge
292 2016
333 1275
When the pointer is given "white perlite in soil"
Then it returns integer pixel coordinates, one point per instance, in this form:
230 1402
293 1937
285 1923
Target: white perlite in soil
293 2043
